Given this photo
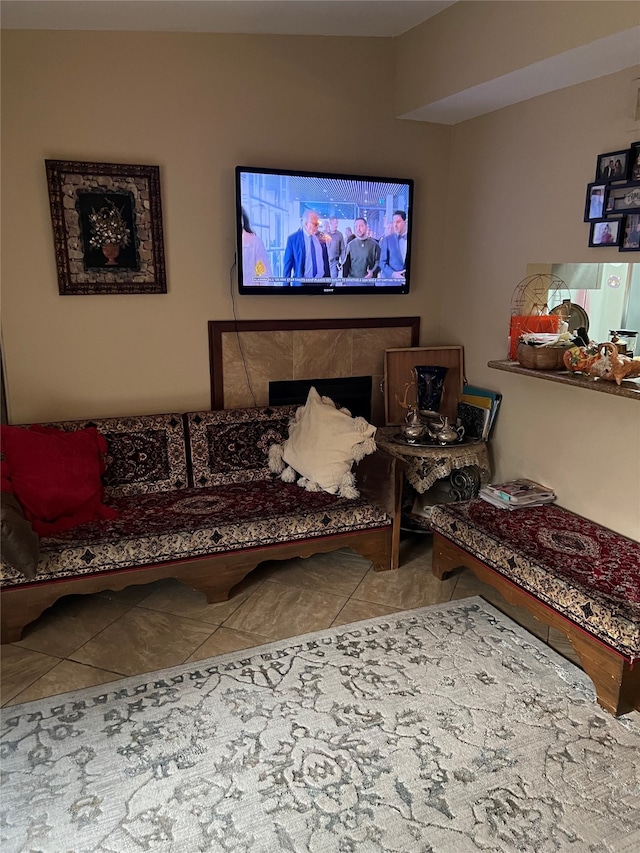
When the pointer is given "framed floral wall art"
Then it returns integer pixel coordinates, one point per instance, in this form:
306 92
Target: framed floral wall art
107 227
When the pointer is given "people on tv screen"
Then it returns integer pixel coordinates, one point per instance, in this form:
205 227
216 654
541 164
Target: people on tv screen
362 255
256 266
305 254
393 248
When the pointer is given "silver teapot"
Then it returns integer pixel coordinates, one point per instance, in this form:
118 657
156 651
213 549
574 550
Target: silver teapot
444 432
413 429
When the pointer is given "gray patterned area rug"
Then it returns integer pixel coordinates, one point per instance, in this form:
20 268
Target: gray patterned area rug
447 729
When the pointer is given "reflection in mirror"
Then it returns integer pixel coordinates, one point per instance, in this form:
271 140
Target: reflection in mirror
609 294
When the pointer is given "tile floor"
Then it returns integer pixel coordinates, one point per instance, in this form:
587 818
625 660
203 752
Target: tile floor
83 641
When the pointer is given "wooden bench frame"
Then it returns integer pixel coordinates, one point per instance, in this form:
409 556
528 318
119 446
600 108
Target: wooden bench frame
615 678
215 576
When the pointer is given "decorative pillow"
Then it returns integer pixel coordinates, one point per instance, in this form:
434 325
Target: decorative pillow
145 453
56 475
20 543
323 444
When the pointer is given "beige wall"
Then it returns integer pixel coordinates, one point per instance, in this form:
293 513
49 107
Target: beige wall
196 105
522 196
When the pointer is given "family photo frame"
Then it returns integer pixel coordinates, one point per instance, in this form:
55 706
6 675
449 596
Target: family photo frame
634 162
107 227
612 201
595 201
606 232
613 166
622 199
630 233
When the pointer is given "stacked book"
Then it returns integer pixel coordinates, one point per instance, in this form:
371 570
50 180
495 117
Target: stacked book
517 494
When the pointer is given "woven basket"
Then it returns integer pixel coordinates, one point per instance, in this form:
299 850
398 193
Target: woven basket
541 358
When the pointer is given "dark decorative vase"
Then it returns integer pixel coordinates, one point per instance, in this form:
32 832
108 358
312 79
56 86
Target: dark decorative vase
430 384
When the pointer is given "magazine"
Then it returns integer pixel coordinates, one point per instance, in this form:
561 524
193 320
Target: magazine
493 498
521 491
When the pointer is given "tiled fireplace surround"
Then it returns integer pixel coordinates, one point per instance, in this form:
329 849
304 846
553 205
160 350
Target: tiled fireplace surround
247 355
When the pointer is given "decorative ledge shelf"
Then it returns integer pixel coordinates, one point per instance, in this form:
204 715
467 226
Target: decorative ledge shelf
630 387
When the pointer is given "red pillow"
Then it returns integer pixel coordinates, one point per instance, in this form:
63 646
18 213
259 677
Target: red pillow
56 475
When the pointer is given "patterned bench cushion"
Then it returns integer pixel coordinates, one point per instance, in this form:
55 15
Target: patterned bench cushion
232 445
164 526
585 572
144 454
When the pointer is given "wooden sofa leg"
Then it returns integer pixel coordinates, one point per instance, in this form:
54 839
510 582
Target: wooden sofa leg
616 682
11 633
19 609
446 557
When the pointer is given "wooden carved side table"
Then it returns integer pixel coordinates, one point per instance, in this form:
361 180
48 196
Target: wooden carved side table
466 465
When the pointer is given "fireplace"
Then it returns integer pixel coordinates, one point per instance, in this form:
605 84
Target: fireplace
246 355
350 392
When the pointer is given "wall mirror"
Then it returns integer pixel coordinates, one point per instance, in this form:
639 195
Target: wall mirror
609 295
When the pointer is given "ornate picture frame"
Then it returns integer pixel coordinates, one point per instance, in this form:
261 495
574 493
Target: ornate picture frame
107 227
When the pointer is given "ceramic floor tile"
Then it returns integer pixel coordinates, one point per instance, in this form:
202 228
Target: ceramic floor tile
339 572
20 668
227 640
408 587
140 629
70 622
355 611
143 640
277 611
64 677
181 600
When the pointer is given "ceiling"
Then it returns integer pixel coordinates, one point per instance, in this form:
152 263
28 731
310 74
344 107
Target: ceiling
270 17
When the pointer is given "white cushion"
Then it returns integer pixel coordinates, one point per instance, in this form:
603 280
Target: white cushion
323 444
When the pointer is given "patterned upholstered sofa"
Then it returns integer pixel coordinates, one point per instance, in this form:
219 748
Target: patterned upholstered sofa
569 572
196 502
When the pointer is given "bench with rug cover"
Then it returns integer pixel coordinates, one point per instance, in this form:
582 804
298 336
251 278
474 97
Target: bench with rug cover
187 496
569 572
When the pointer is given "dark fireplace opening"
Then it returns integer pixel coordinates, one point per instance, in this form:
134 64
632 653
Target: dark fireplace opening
351 392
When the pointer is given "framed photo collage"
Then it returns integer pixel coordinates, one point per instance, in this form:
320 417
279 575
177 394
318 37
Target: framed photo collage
612 204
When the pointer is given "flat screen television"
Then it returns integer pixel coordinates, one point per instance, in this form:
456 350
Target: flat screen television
321 233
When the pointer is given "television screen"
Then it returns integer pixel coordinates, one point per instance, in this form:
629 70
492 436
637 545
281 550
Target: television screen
316 232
